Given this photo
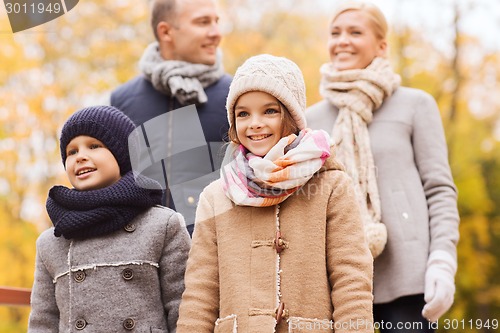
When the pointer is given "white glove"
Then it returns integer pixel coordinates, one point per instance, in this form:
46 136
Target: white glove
439 284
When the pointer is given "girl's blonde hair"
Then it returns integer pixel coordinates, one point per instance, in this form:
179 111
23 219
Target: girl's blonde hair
375 15
289 125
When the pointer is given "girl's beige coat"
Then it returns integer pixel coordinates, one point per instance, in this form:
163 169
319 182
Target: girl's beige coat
235 278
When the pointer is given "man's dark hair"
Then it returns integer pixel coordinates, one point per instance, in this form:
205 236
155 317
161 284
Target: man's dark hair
162 10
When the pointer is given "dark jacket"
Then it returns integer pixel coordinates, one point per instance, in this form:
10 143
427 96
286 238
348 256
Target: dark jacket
196 165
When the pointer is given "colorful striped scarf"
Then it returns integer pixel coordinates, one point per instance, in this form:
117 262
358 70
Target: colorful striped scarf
251 180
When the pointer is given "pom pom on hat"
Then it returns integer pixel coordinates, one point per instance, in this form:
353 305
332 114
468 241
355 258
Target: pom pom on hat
277 76
105 123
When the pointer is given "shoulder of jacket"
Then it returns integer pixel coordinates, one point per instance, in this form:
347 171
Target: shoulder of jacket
213 190
408 92
158 211
226 79
47 242
129 84
333 169
332 163
46 235
161 218
221 85
337 174
125 89
319 106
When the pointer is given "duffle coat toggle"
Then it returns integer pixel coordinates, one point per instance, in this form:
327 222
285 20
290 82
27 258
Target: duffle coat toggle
277 286
281 313
279 243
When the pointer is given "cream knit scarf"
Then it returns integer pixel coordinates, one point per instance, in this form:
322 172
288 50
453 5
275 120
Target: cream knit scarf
186 81
358 93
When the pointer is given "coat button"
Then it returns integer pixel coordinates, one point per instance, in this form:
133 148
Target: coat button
279 243
127 274
129 324
80 324
130 227
405 216
281 313
79 276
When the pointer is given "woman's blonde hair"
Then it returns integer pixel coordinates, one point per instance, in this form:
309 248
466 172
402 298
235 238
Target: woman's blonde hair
373 12
289 125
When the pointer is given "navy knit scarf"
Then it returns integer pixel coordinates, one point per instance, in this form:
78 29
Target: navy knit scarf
86 214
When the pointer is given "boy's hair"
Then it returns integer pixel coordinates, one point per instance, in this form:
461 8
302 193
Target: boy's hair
105 123
277 76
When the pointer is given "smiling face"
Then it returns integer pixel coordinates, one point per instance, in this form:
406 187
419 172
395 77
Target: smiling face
194 35
89 164
353 43
258 121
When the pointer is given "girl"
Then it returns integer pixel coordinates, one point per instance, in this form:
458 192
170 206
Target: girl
278 244
391 140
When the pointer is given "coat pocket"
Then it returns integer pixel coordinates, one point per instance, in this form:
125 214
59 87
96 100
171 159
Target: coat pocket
404 215
303 325
227 324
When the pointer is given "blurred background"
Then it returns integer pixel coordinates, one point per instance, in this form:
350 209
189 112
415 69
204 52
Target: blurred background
449 48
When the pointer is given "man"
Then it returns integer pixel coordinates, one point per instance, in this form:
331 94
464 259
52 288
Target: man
183 67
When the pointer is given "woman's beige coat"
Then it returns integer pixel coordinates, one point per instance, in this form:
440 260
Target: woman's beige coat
236 280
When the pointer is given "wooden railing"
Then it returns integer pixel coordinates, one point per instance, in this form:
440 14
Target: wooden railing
14 296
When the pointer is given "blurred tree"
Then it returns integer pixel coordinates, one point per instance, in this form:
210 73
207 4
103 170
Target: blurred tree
254 27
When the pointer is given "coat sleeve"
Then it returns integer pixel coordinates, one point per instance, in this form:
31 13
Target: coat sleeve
350 264
44 315
431 157
200 302
173 267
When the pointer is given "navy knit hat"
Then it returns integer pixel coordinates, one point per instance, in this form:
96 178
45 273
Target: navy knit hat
105 123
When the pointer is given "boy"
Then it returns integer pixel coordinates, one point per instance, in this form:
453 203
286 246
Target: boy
120 263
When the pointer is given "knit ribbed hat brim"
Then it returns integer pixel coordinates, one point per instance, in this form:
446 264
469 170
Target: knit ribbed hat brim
277 76
105 123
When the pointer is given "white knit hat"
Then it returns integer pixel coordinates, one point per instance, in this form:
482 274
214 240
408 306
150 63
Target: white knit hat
277 76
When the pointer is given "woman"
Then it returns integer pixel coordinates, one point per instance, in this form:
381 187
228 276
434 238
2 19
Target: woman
391 140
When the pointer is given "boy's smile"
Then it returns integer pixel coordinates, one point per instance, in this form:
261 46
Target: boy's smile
83 171
90 165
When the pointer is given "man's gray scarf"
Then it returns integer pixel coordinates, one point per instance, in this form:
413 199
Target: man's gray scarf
184 80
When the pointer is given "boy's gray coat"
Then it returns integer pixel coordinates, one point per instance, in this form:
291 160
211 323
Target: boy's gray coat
130 280
417 193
